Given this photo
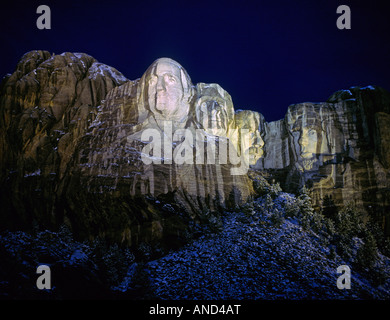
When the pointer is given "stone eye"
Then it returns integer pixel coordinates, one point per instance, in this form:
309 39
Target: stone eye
171 79
203 107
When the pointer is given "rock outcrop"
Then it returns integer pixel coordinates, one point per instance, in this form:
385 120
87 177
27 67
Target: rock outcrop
77 148
338 148
144 160
47 105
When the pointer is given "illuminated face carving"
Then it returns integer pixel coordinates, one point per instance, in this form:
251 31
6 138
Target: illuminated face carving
168 90
212 116
250 120
256 147
317 134
308 142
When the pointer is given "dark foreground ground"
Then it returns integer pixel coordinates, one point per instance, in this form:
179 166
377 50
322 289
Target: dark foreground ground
261 253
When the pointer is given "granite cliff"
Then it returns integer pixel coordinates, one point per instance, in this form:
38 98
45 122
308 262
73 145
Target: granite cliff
338 148
152 159
74 135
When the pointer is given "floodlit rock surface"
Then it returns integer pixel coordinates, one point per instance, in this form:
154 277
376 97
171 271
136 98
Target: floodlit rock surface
75 135
337 148
148 159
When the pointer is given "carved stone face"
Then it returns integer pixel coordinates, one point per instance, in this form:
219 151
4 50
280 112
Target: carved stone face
316 132
167 87
212 116
308 142
256 147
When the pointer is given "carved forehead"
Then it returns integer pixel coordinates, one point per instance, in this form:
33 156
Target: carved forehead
306 124
166 65
248 120
212 102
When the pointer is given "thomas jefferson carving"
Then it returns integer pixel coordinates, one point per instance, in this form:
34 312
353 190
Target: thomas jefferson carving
214 110
212 116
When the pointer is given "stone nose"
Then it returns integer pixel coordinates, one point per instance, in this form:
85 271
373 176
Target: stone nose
258 140
160 84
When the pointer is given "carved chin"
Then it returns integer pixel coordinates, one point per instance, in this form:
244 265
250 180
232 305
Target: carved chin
162 106
256 153
307 155
167 110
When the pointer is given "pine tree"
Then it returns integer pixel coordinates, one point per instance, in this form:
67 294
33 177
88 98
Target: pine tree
329 209
305 202
306 207
367 253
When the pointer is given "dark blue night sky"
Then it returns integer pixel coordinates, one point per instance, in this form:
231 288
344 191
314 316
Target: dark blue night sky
266 54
